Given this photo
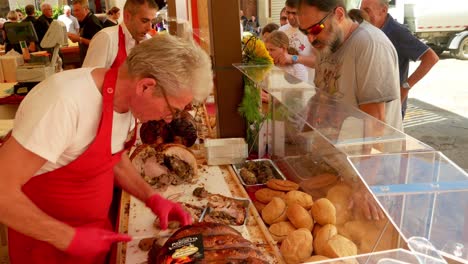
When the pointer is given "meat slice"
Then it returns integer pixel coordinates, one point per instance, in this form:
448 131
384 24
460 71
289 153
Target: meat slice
164 165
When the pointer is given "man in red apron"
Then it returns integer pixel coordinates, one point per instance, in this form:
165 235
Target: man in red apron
60 165
109 43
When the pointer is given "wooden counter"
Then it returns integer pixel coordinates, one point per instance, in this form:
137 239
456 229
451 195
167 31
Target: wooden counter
137 220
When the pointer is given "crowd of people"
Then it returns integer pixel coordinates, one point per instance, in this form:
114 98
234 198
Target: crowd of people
360 56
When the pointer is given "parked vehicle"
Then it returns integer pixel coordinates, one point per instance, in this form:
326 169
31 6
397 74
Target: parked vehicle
442 25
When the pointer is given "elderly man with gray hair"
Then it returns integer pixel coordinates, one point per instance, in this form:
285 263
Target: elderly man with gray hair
408 47
69 20
74 138
43 22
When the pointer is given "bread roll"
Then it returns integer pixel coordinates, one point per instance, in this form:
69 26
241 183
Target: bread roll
279 231
265 195
297 246
340 196
282 185
274 211
355 230
323 235
339 246
259 206
319 181
316 229
298 197
316 258
339 193
299 217
324 212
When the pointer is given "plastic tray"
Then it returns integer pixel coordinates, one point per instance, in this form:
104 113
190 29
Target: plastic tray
276 172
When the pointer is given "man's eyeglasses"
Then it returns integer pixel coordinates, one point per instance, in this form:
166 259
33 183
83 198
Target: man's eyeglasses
174 111
315 29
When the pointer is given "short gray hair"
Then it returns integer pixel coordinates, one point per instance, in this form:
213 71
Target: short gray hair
177 65
44 5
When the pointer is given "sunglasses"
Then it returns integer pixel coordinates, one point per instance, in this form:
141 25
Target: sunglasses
315 29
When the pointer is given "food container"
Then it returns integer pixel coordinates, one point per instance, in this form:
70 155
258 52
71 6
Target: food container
276 172
223 151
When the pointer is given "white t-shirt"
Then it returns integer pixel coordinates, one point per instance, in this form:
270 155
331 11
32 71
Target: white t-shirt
301 43
105 45
59 118
71 23
363 70
297 40
297 70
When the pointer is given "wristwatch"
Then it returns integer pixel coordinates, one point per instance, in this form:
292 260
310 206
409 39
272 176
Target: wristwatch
406 85
294 58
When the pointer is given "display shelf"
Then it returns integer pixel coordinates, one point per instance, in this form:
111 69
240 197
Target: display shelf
421 192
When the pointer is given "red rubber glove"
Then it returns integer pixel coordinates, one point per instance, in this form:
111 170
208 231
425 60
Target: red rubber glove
89 242
167 210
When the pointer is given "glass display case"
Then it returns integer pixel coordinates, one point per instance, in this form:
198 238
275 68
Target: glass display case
387 187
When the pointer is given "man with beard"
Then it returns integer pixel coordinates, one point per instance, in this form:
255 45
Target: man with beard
297 40
115 42
355 63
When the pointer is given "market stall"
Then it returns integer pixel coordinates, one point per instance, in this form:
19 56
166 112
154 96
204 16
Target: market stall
338 156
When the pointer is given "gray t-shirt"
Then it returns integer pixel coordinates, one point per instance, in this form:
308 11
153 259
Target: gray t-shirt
363 70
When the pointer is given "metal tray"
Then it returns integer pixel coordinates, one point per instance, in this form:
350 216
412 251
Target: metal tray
276 172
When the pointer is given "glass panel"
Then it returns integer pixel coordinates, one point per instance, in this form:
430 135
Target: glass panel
346 127
424 193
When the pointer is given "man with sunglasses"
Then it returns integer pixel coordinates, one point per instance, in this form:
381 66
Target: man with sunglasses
355 63
407 46
70 134
297 40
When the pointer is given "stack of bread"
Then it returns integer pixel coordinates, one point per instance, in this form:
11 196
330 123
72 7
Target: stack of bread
352 224
305 229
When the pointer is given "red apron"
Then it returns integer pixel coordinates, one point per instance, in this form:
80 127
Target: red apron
78 194
122 52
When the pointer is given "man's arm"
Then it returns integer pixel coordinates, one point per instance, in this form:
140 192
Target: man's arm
130 180
16 209
100 52
428 60
308 61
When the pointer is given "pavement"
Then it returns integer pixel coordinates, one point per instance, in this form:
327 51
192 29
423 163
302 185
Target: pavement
443 130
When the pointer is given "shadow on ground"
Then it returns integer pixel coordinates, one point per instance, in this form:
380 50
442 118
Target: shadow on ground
443 130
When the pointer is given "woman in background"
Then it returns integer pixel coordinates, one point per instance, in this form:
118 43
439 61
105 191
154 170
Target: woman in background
113 16
12 17
277 44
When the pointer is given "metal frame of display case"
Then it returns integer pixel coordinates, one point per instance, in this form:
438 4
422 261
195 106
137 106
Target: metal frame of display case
398 170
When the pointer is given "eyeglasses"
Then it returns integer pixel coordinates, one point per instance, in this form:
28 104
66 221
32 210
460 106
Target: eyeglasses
315 29
174 111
